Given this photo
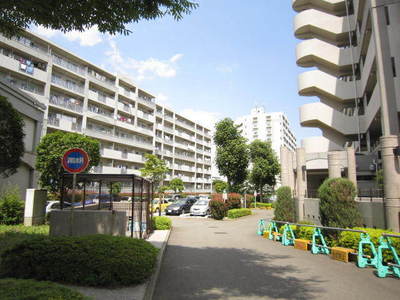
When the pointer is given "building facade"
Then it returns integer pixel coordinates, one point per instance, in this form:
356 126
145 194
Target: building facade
353 47
81 97
273 127
32 112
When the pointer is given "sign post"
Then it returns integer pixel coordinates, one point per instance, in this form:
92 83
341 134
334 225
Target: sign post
74 161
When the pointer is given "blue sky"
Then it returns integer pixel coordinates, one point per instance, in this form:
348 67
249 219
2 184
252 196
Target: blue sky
217 62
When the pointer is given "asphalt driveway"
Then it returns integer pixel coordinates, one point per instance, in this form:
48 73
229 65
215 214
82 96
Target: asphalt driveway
208 259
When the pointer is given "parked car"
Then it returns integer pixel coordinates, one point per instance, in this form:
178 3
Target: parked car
180 206
157 203
52 205
200 208
103 198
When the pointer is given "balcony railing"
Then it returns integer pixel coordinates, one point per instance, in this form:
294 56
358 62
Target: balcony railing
69 104
67 84
69 65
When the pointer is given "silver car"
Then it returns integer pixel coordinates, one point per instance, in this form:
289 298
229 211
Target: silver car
200 208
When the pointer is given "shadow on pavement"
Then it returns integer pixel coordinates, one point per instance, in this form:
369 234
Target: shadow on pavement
215 273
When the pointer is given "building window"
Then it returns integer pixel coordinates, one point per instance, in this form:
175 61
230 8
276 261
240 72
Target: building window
393 66
387 15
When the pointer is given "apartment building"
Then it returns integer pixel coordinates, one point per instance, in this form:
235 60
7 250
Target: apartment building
81 97
353 48
273 127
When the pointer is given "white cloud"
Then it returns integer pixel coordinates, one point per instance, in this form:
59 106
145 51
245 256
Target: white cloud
46 32
163 100
141 69
206 118
226 68
90 37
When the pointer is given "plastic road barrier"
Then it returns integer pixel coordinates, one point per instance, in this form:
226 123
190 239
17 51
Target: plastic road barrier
383 270
366 260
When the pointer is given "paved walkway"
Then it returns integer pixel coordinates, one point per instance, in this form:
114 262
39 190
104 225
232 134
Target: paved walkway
208 259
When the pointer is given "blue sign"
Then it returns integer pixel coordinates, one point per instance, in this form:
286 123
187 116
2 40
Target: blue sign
75 160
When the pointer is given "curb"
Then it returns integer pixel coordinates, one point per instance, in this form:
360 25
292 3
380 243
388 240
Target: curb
151 285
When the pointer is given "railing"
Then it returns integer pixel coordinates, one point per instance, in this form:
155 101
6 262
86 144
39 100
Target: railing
361 193
54 122
57 100
29 43
67 84
68 65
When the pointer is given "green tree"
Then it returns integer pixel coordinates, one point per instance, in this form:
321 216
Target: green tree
284 206
232 153
337 206
51 150
265 165
11 138
11 205
219 185
176 184
109 16
154 169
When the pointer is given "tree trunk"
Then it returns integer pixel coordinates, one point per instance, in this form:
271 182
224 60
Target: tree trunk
261 194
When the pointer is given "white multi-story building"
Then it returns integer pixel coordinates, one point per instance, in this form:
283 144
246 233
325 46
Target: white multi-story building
353 47
81 97
273 127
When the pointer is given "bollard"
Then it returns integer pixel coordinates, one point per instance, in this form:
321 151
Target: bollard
261 227
288 236
362 259
271 229
383 270
318 248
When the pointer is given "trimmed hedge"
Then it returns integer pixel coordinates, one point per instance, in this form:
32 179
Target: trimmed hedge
261 205
95 260
350 240
238 212
162 223
11 289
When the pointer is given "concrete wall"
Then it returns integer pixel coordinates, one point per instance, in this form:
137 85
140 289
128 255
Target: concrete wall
35 207
372 212
87 222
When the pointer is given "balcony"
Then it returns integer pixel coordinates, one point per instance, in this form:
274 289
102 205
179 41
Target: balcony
316 53
336 7
66 102
99 97
121 155
66 64
321 84
67 84
15 66
169 117
323 116
126 107
185 157
145 116
64 124
149 102
28 46
25 84
94 113
101 80
312 23
169 129
184 124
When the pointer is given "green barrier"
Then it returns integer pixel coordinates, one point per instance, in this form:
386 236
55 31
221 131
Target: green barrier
261 227
383 270
362 259
272 228
287 236
318 248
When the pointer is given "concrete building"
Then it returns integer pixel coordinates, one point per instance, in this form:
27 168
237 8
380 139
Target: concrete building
82 97
273 127
32 113
353 48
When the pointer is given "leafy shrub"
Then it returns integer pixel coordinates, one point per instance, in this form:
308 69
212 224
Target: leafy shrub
218 209
350 240
217 197
11 289
337 206
238 212
304 233
284 206
95 260
233 203
161 223
11 206
234 196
